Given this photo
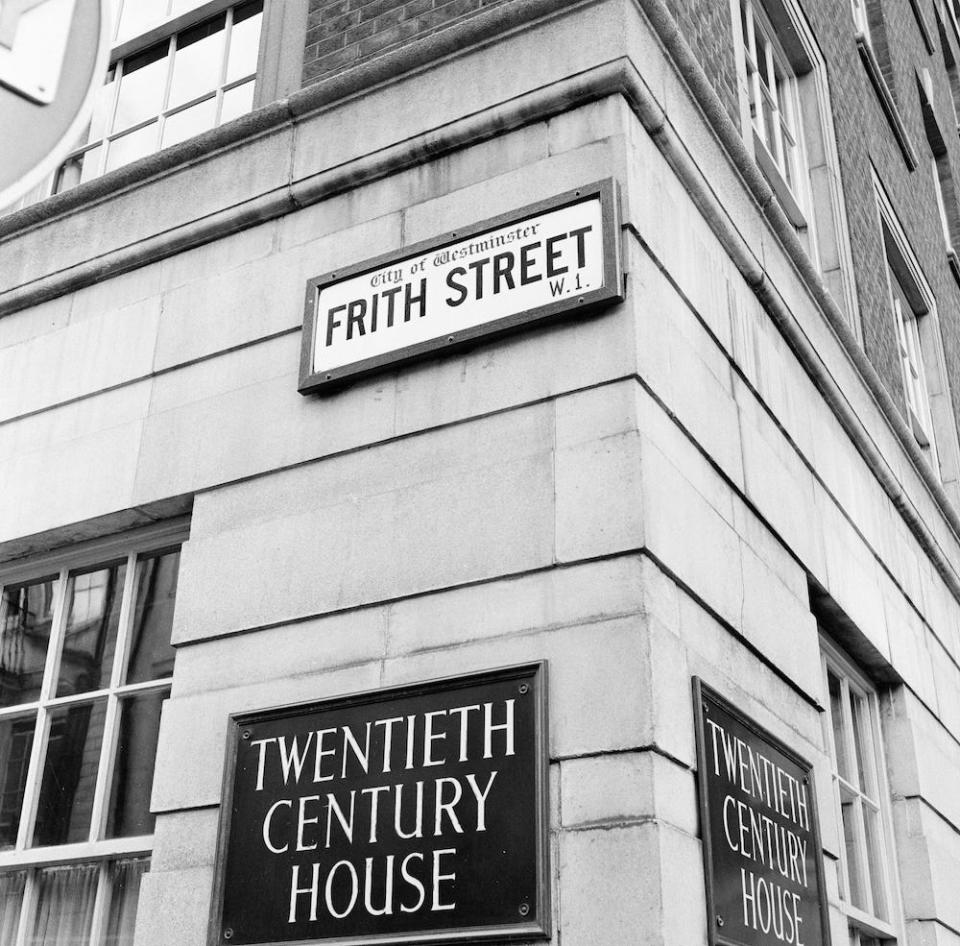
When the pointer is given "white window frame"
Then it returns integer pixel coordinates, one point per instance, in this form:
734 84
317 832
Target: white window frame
816 207
864 924
169 29
784 158
929 407
95 850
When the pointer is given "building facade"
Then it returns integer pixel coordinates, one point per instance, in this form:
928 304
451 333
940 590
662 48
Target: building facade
741 473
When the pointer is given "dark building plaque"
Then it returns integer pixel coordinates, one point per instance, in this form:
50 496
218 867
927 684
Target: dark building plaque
416 813
761 840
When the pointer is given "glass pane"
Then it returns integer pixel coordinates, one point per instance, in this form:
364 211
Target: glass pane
875 858
141 87
27 612
133 771
130 147
16 741
90 637
11 896
70 774
197 61
836 721
862 745
151 656
244 41
102 107
65 898
191 121
125 879
236 102
853 843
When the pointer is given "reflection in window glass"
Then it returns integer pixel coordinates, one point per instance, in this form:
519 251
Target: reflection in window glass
137 16
70 774
125 877
11 897
27 612
191 121
16 742
90 636
133 771
196 62
236 102
76 170
151 656
244 41
141 86
65 905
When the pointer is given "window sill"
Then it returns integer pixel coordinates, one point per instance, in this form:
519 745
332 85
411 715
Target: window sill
887 103
869 924
775 179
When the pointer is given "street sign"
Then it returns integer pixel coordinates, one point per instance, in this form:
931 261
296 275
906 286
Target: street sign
416 814
559 257
53 59
761 839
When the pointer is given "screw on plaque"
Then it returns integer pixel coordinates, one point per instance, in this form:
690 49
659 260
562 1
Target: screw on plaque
246 734
524 688
719 920
524 909
228 933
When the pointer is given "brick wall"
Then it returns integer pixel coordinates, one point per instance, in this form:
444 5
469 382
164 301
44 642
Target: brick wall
343 33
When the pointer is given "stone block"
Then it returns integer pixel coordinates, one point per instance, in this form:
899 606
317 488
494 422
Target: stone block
225 255
514 189
275 653
192 748
779 624
19 327
611 886
684 368
627 787
240 415
79 359
174 907
597 121
185 840
116 292
376 525
910 641
541 362
40 497
576 595
689 536
595 704
599 507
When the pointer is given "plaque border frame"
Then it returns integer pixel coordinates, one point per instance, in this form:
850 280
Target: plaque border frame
612 290
701 692
522 930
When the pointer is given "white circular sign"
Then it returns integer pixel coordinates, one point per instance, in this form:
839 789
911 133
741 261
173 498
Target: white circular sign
53 60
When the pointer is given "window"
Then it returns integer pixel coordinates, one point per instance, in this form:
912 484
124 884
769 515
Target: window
774 108
924 389
866 873
85 664
787 125
192 80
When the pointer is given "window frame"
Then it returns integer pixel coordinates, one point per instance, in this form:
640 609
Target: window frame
820 219
166 31
863 924
942 449
127 548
